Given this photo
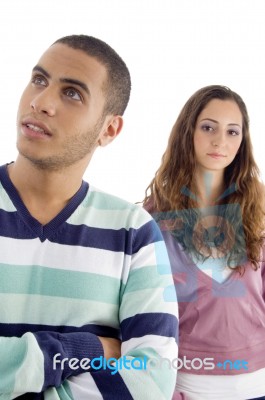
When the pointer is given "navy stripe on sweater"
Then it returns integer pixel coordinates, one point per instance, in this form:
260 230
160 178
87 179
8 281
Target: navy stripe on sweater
19 329
160 324
119 240
106 382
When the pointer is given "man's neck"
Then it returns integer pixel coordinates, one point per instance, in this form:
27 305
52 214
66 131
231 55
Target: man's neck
45 193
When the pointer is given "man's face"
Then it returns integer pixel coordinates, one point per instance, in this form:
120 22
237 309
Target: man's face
60 117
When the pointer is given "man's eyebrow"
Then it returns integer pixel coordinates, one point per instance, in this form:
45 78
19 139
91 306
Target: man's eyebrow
38 68
76 82
71 81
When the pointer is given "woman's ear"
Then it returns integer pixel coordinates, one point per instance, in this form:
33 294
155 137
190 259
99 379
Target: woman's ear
112 127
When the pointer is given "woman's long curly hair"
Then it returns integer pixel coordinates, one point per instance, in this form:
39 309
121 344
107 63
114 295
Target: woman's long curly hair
174 186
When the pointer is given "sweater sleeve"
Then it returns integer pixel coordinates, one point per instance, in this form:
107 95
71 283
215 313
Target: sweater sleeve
149 327
29 363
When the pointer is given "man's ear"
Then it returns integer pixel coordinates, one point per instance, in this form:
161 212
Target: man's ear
112 127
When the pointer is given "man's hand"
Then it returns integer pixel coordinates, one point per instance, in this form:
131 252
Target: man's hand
112 347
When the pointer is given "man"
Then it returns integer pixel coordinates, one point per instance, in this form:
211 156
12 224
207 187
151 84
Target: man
80 269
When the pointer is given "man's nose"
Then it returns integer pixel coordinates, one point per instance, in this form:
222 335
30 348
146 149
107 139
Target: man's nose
45 102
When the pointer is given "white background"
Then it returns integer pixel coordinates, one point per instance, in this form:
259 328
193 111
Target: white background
171 47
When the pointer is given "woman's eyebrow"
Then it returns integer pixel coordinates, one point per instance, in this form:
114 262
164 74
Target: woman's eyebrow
216 122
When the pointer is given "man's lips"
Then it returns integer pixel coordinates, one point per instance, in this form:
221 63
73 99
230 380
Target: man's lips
36 127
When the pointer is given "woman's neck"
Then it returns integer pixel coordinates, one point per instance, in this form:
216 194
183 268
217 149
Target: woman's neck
210 186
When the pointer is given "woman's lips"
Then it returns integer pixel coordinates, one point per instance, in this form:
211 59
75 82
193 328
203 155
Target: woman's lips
216 155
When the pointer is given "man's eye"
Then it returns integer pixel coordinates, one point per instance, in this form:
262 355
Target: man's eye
74 94
38 80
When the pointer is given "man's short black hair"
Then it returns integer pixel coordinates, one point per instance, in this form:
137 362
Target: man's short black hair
118 85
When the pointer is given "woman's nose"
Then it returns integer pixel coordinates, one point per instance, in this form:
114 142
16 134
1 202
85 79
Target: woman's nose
218 139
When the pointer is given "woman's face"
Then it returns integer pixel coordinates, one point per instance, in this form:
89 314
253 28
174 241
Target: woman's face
217 135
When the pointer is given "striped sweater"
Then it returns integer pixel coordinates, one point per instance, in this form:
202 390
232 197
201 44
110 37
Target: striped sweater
99 268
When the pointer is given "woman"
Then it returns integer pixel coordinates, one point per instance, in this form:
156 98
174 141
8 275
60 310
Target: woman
208 199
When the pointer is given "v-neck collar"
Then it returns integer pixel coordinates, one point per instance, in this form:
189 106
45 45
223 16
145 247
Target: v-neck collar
189 263
207 279
43 232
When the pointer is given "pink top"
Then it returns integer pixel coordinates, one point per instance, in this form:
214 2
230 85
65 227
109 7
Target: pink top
221 321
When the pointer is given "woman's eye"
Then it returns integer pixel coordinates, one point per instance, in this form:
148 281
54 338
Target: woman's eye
73 94
38 80
232 132
207 128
